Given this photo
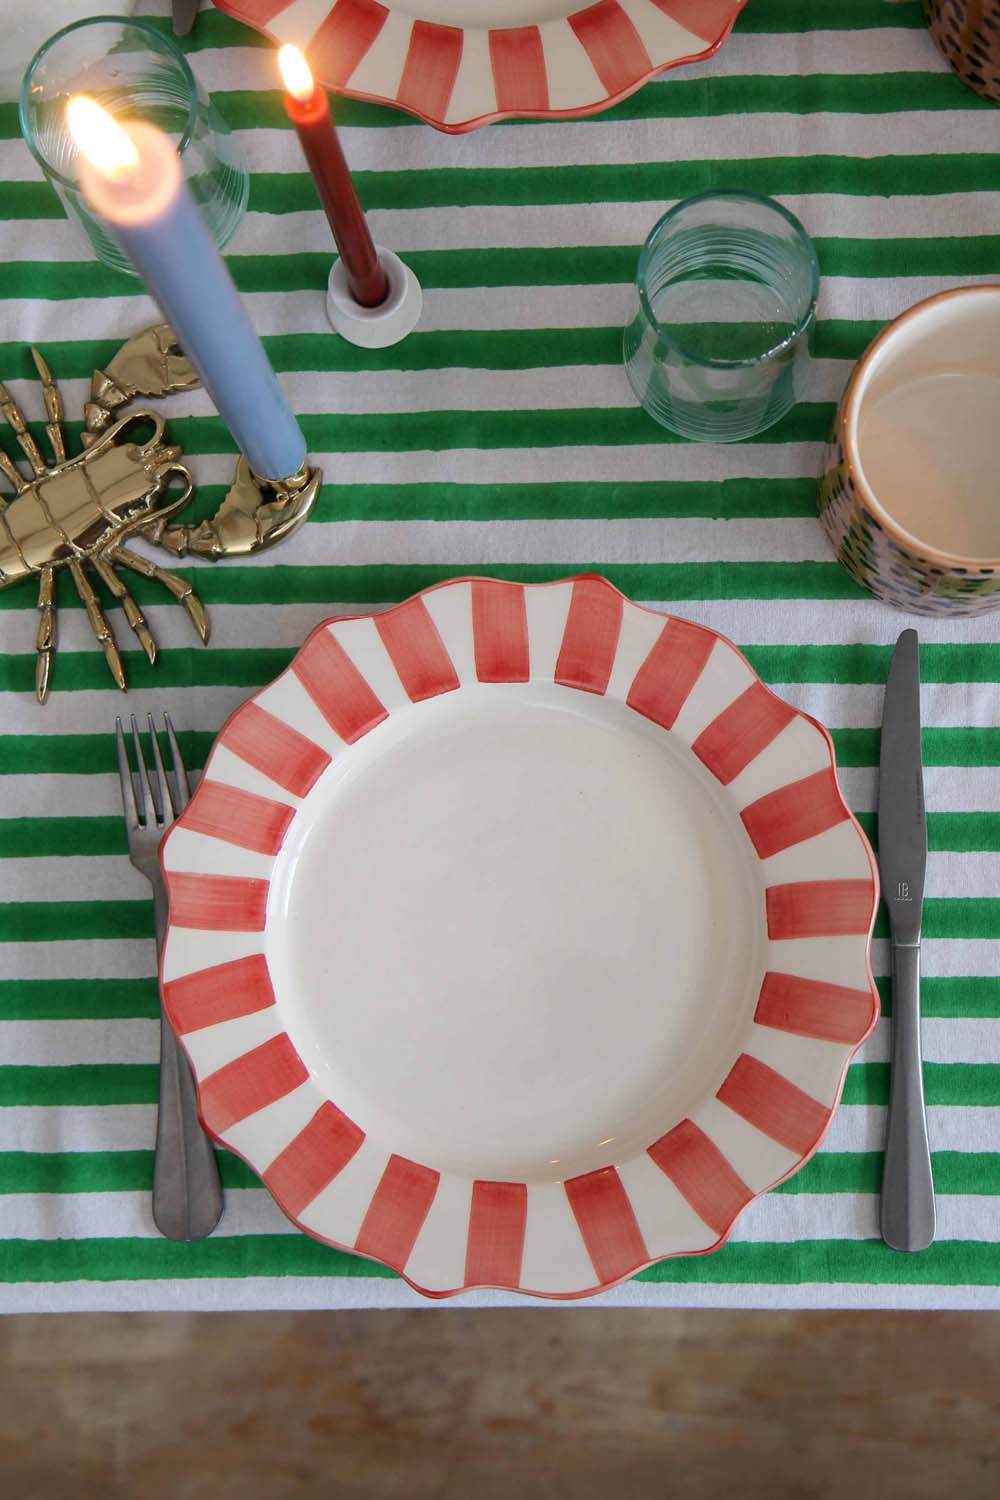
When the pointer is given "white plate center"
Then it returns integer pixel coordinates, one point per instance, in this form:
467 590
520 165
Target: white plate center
520 935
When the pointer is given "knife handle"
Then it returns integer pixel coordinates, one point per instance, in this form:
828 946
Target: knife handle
908 1215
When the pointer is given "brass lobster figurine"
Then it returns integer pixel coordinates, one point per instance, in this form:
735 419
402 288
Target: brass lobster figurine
80 512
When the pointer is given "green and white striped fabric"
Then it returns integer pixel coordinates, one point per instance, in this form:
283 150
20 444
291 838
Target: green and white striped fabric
502 437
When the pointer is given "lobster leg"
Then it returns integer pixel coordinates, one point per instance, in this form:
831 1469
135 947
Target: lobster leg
179 587
45 641
15 419
133 613
98 622
53 406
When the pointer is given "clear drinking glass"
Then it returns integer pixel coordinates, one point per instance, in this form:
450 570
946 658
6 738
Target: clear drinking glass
725 301
137 73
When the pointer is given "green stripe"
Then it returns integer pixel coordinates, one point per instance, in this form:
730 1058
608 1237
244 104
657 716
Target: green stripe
33 838
195 666
78 999
102 1172
64 921
947 1263
82 754
94 754
418 431
970 745
569 265
477 349
975 1173
944 1083
972 998
623 182
136 1083
946 832
976 998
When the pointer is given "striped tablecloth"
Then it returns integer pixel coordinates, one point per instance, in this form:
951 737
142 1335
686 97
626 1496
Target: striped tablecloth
502 437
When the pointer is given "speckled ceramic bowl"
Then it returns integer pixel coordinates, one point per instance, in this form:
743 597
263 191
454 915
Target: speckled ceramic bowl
908 492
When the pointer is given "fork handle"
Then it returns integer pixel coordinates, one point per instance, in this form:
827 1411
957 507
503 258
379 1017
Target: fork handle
187 1190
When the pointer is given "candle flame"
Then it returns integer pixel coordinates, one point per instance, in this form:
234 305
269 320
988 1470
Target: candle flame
295 72
100 137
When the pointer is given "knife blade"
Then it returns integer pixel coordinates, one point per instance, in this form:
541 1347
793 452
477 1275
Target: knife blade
907 1207
185 13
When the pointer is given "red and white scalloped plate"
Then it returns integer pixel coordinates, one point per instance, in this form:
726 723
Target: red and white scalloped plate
461 63
519 936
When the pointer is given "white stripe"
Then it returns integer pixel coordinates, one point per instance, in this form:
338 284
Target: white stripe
367 393
60 1044
747 622
108 958
597 305
557 225
131 1127
950 1127
579 144
273 1293
944 1039
64 1043
776 1218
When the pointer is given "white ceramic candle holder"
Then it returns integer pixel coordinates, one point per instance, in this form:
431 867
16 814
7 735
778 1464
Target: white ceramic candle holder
375 327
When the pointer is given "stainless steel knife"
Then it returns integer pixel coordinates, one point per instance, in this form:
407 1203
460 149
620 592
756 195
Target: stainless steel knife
908 1214
185 13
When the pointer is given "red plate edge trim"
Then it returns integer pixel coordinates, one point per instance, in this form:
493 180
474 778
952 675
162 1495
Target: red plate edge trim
627 1273
464 127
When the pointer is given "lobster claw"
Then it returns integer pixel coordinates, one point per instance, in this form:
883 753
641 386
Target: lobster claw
255 514
150 364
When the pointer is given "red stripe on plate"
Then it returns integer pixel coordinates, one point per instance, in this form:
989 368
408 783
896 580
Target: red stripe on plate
250 1083
741 732
612 44
707 19
221 993
520 76
344 37
226 812
431 68
607 1222
275 749
313 1159
701 1174
811 1007
217 903
418 653
670 671
258 12
819 908
794 812
338 689
400 1205
590 639
500 631
496 1234
774 1105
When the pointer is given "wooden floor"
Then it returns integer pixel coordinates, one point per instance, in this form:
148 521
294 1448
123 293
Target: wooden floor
541 1404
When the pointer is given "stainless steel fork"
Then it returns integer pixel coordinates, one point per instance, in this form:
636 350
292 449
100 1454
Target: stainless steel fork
187 1192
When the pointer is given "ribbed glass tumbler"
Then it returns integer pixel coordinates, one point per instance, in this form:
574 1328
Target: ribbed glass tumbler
724 306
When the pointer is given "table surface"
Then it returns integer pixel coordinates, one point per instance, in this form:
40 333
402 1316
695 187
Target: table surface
502 437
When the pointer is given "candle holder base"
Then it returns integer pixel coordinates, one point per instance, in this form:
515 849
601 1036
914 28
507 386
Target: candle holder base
375 327
256 514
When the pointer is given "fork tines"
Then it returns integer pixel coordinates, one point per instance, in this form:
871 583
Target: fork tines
157 803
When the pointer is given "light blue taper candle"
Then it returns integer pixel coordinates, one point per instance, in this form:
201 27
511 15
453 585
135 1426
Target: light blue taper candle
147 205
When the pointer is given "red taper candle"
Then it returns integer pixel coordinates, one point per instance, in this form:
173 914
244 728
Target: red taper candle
309 111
